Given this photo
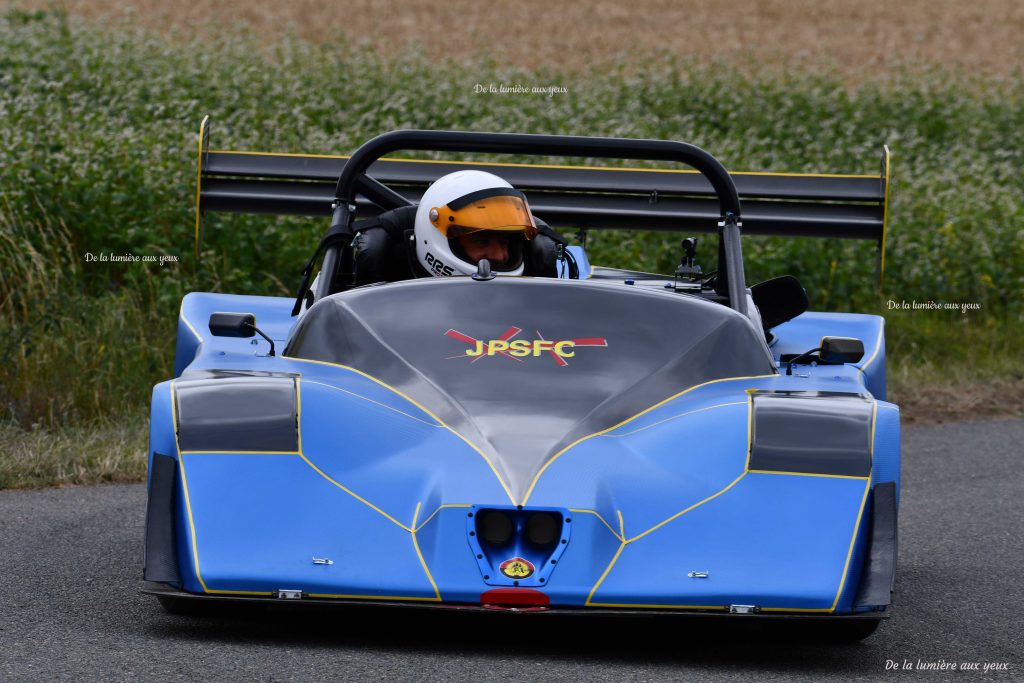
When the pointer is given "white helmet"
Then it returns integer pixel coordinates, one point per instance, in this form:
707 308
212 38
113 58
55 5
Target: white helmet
467 205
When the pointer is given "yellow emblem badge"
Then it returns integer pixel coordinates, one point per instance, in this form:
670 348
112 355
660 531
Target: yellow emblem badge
517 568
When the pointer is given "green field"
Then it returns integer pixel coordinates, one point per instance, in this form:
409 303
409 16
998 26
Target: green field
97 156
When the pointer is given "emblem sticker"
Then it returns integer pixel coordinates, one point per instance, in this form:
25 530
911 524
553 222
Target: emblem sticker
517 568
517 349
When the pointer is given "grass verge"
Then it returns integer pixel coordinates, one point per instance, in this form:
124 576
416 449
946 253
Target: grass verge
945 366
103 451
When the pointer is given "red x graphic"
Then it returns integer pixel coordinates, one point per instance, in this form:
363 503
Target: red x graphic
509 333
585 341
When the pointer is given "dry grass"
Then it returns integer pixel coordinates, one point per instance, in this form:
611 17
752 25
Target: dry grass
45 456
864 40
947 401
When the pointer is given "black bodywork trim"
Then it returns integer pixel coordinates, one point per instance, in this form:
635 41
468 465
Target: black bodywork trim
235 413
812 433
879 574
160 561
764 617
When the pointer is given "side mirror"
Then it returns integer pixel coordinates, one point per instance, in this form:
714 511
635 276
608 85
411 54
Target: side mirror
841 350
237 325
779 299
833 350
233 324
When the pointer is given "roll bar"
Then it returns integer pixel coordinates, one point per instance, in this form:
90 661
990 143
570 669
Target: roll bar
353 180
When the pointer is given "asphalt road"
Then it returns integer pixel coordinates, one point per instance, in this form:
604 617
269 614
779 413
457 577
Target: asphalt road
70 607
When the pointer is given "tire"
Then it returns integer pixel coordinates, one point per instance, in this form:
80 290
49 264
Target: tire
205 607
849 631
173 604
187 607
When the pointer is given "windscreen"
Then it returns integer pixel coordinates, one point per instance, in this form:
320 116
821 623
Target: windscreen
523 367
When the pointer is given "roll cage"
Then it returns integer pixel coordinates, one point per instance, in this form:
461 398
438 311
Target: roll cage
355 180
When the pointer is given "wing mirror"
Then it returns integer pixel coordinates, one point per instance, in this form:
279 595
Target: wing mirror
237 325
841 350
833 350
233 324
779 299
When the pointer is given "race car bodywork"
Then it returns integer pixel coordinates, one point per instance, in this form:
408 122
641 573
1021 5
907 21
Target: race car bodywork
610 443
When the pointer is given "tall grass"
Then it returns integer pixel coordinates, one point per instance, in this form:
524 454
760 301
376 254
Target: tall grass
98 137
68 354
107 449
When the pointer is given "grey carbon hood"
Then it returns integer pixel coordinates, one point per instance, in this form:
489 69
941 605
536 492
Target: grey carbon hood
557 360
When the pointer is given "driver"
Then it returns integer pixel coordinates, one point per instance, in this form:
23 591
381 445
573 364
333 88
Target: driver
467 216
462 218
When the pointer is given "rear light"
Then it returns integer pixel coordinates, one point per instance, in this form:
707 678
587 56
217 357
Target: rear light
514 597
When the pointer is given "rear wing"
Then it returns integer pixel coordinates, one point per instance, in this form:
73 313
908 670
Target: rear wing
832 206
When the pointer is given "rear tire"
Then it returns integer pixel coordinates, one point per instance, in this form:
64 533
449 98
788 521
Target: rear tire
848 631
186 607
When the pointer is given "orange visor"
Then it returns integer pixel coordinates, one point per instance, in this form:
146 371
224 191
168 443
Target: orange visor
503 209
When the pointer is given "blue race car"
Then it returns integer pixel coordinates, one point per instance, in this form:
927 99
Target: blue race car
587 440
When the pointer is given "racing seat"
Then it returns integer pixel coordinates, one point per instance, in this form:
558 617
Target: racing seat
384 252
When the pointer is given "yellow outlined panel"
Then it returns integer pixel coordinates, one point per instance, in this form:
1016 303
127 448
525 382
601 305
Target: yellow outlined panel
412 529
624 541
580 440
426 410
